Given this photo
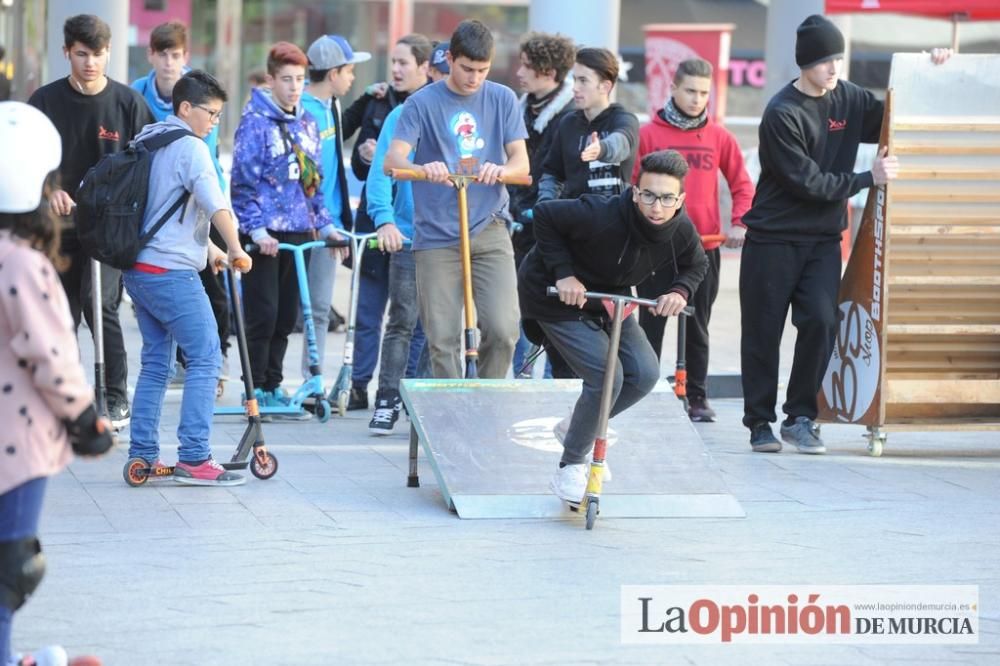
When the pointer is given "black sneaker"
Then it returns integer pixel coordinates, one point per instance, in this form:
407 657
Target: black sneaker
804 434
119 412
762 440
358 400
699 410
387 408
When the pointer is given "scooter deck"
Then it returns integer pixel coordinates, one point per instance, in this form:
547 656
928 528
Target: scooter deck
491 448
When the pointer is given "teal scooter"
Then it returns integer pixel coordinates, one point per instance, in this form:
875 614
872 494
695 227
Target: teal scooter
313 386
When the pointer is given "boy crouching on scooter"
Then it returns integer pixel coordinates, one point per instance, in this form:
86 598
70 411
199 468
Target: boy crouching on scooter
171 305
607 244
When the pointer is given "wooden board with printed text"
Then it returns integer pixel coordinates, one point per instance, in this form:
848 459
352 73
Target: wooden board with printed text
918 342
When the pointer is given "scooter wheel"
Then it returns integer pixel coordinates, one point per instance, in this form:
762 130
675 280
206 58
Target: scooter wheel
136 472
264 470
323 410
591 514
342 398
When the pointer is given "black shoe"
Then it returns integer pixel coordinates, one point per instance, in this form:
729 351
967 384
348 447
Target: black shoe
699 410
119 412
336 322
387 408
358 400
762 440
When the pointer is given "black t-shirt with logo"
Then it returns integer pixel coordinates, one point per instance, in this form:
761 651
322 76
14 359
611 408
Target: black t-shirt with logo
91 126
808 146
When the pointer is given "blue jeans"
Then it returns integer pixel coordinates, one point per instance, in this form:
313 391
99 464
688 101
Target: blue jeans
20 508
172 309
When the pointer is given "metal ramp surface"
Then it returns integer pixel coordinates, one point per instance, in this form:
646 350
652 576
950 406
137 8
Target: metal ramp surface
490 445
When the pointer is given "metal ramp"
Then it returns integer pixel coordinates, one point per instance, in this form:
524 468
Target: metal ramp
490 445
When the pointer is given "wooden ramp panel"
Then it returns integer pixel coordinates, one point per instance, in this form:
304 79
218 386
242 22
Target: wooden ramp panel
938 302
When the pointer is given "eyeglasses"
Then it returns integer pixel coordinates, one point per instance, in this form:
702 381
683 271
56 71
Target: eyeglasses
668 200
213 116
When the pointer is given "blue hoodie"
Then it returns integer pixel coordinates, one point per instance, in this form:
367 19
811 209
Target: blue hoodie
383 207
161 108
264 197
327 115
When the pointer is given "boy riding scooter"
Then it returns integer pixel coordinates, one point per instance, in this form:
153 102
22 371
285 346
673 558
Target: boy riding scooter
607 244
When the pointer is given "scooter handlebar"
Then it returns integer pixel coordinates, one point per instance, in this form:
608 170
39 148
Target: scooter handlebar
688 310
714 238
372 244
250 248
413 174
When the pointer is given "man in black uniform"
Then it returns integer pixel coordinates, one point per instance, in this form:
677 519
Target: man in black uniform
95 116
809 138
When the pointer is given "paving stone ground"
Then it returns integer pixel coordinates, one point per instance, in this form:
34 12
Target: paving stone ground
335 561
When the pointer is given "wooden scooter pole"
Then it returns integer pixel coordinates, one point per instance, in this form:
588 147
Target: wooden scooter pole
465 249
461 183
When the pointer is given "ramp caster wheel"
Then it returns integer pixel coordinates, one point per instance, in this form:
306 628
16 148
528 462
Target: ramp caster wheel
591 514
135 472
876 440
412 482
264 467
323 410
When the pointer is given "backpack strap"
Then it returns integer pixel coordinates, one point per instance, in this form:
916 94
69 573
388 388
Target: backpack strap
164 139
181 201
152 144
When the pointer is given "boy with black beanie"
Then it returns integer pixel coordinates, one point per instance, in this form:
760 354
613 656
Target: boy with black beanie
809 138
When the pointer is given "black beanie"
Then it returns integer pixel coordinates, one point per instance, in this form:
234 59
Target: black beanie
816 40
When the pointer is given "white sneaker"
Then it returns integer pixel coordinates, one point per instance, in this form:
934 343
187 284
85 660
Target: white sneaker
559 431
570 482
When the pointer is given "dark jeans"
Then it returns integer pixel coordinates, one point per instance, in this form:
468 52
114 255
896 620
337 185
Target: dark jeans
76 281
373 295
271 305
696 349
20 508
774 276
404 338
584 346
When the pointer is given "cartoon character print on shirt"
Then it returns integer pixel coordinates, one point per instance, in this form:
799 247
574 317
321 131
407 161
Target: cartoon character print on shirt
465 129
605 177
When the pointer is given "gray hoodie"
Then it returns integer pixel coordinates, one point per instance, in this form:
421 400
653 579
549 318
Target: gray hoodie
186 164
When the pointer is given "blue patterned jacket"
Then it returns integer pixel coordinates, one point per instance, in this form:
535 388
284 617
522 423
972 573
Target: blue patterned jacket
264 197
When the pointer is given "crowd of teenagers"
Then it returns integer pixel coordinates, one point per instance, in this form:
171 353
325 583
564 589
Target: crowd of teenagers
612 207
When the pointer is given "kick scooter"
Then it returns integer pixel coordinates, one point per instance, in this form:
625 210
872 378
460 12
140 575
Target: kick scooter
461 183
618 307
312 387
340 394
263 464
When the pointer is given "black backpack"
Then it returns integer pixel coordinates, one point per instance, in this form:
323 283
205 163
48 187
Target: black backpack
111 202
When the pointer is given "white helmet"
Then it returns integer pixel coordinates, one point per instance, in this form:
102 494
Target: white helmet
32 149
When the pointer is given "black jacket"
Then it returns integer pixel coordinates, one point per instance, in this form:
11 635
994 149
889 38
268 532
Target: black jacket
610 174
607 244
808 146
368 113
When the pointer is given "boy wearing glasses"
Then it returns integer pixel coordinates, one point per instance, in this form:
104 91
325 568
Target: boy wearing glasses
684 125
607 244
168 55
171 306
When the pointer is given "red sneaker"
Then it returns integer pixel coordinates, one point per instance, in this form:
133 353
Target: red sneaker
208 473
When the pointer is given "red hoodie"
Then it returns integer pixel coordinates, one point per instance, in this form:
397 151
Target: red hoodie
706 149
